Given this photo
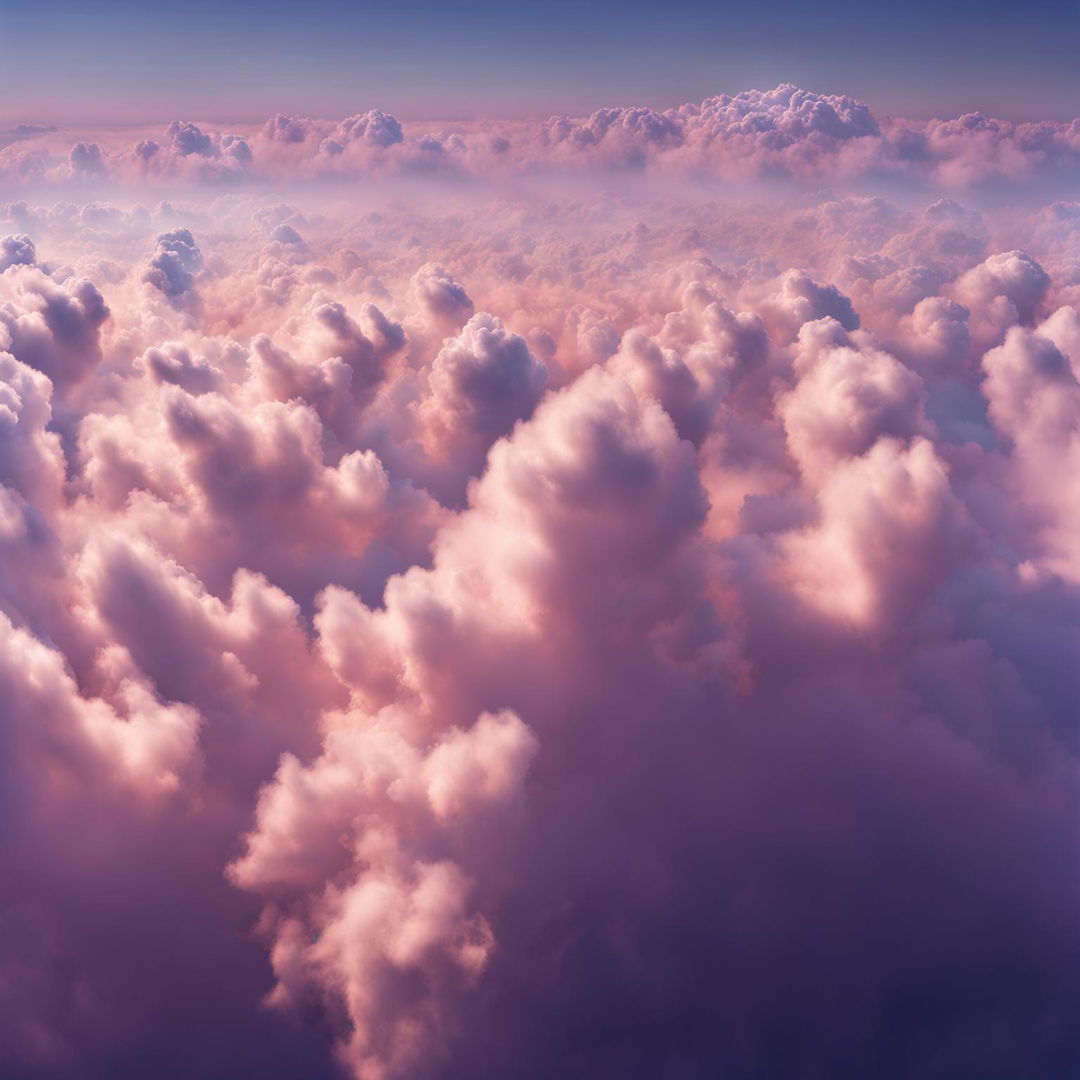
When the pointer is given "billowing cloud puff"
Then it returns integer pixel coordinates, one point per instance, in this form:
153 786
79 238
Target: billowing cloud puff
594 628
801 300
17 250
375 127
86 159
845 399
396 927
236 149
443 297
50 326
620 137
1008 288
173 363
480 384
172 268
1034 398
287 129
185 138
787 111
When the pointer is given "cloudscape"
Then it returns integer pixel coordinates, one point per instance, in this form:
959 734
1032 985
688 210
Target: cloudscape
575 582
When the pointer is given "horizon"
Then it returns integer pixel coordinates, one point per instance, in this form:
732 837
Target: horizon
90 123
428 61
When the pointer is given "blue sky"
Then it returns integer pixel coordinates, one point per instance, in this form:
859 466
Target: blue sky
118 59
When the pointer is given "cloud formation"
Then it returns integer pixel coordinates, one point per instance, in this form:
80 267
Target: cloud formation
610 632
784 135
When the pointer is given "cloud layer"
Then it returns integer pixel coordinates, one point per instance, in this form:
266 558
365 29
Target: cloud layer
783 134
549 633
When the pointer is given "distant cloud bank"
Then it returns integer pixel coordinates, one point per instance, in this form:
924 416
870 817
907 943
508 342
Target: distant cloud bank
784 133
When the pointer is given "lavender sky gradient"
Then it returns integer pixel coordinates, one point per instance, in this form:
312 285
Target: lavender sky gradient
239 59
539 543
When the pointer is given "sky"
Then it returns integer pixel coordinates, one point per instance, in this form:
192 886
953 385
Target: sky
122 60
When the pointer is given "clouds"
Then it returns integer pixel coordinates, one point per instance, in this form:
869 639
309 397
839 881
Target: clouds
479 385
374 127
17 250
50 326
602 630
86 160
185 138
444 298
173 266
845 398
1033 396
787 135
788 111
397 933
287 129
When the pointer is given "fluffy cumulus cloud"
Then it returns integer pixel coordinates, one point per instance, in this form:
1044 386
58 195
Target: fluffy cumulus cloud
176 261
606 628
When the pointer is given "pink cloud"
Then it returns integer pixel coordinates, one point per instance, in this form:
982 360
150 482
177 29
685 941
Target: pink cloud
559 620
